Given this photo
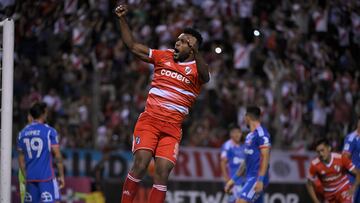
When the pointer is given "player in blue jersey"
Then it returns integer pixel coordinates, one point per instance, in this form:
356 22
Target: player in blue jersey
36 142
257 150
232 156
352 150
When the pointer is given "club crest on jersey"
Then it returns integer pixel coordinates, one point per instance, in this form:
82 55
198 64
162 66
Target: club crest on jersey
248 139
46 197
187 70
168 63
337 168
137 140
27 197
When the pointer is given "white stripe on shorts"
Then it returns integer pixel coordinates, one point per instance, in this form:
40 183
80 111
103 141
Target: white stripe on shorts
56 189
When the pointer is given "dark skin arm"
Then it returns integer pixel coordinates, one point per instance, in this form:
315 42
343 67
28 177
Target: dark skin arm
142 51
139 50
202 66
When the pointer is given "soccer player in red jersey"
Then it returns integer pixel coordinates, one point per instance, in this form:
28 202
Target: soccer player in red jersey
331 168
178 77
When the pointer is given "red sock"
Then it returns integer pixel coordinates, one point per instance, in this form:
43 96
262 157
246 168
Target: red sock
158 194
130 189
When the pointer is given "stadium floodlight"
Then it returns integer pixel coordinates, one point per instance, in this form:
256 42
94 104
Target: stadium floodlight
256 33
7 79
218 50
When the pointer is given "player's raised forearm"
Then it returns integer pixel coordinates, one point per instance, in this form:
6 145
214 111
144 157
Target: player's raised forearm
141 51
202 67
125 31
126 34
265 153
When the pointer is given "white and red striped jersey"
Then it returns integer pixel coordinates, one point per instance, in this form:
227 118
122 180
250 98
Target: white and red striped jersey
332 175
174 87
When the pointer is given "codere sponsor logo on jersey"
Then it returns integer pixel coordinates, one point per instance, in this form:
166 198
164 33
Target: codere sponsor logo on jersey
174 75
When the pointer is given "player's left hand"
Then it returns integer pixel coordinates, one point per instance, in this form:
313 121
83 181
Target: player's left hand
229 186
259 186
61 181
121 10
192 44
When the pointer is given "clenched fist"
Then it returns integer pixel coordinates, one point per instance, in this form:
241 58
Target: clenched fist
121 10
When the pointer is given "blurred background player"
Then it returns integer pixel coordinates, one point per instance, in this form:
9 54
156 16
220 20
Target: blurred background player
178 77
330 168
36 142
232 156
352 151
257 151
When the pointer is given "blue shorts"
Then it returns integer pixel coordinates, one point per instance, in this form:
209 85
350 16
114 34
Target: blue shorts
42 191
248 192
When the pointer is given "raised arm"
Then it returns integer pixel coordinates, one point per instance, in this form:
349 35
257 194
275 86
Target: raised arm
139 50
201 65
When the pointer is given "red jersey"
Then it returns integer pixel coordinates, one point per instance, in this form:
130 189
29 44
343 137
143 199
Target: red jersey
333 175
174 87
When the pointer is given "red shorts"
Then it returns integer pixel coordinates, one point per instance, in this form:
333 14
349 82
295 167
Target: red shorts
160 137
341 196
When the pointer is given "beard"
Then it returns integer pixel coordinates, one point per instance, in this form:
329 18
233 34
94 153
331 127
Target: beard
180 56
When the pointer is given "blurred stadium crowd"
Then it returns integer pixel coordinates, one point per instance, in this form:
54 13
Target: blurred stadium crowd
299 60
